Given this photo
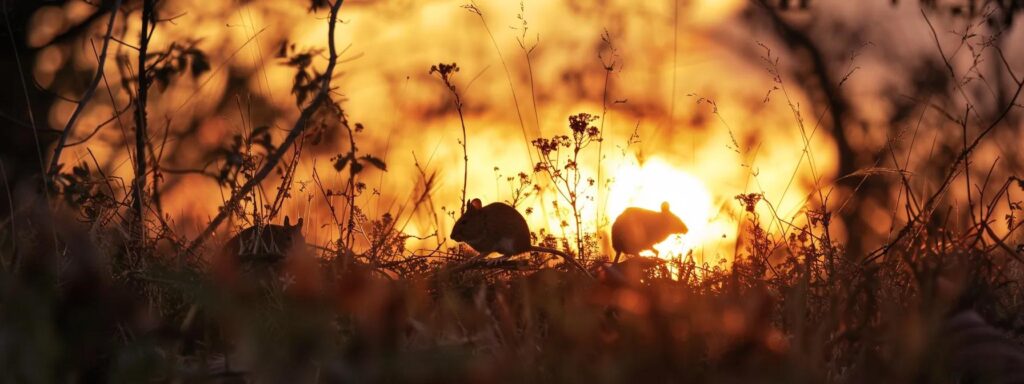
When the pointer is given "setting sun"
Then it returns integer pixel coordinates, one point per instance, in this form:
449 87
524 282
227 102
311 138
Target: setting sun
654 182
700 191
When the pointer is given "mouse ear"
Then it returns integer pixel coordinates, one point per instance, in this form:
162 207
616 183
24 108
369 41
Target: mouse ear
475 204
287 222
298 224
664 206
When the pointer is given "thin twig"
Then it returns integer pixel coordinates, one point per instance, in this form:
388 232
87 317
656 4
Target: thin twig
70 126
929 205
32 121
508 75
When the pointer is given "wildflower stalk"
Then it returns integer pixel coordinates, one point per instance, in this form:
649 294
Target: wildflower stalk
567 176
609 65
445 73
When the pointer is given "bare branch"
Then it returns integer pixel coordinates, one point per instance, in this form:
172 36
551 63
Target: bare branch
70 126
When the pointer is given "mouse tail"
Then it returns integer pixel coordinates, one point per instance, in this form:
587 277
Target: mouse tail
565 256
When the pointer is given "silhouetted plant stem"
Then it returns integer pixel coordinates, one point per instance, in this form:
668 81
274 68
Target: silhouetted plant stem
465 156
835 105
32 122
446 72
527 54
350 224
142 91
86 96
609 67
508 75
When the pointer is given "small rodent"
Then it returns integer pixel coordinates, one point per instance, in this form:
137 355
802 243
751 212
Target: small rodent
638 229
268 243
978 352
499 228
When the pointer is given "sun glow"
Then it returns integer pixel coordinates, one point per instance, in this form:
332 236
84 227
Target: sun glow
657 181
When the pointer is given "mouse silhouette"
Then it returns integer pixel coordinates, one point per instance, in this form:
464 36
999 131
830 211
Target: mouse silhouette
499 228
258 246
268 243
638 229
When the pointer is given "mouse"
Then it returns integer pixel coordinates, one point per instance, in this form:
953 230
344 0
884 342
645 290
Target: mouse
269 243
258 246
499 228
638 229
255 256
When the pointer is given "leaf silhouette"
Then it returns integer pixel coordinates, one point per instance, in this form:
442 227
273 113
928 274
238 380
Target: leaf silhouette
376 162
340 163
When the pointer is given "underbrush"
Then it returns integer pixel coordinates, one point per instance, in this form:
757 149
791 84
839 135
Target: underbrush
813 315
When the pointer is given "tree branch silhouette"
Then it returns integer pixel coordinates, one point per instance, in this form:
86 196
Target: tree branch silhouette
70 126
322 96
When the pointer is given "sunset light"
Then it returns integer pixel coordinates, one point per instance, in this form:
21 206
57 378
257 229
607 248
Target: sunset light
654 182
511 191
